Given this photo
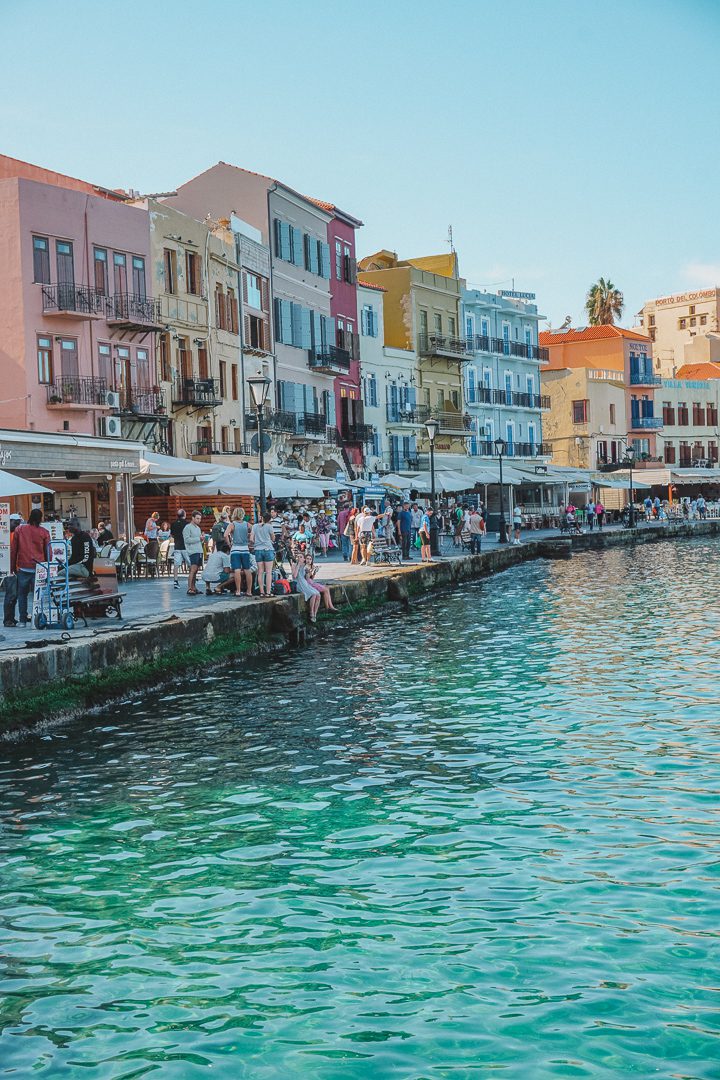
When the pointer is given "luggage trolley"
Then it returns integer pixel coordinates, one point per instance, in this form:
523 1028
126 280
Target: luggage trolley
54 591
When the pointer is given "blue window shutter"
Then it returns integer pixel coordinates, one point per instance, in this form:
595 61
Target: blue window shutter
412 397
297 246
286 321
324 260
332 338
278 237
306 328
363 322
314 265
316 329
285 241
307 248
278 319
295 321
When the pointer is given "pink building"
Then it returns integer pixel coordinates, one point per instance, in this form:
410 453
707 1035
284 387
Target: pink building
76 322
354 433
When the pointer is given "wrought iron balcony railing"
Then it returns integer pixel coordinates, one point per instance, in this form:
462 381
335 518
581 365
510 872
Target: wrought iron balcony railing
301 423
76 390
640 378
200 393
141 402
66 298
500 347
131 310
329 358
402 414
452 348
645 423
357 433
207 448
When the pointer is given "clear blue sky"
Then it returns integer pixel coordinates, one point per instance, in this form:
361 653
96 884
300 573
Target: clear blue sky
562 140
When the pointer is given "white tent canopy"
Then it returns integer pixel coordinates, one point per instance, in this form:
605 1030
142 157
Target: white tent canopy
164 469
11 485
230 481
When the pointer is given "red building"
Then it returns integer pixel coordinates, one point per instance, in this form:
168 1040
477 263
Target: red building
354 433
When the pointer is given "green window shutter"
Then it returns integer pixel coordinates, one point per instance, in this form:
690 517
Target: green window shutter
278 237
296 318
324 260
286 321
306 323
285 241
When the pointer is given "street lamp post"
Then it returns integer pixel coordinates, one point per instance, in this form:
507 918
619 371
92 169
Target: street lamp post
630 455
501 447
259 388
432 427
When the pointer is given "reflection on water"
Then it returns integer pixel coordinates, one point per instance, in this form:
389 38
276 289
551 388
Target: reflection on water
477 838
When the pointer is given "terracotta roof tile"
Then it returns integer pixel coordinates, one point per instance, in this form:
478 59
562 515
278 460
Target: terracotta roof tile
371 285
588 333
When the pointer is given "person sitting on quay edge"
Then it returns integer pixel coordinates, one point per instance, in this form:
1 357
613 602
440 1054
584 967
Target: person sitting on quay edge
82 551
194 548
28 547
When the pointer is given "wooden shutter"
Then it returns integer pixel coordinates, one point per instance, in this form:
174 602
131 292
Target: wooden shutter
244 287
246 330
265 331
265 293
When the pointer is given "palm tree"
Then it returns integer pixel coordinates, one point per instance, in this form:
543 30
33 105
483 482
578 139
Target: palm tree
604 303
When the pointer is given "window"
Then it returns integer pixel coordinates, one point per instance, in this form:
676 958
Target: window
469 326
703 320
437 323
170 270
122 367
223 378
612 414
423 322
45 359
297 246
698 415
349 266
452 326
252 291
579 412
41 260
651 320
203 368
105 368
668 413
683 324
234 381
69 358
324 253
232 312
669 454
693 322
184 359
602 451
338 260
530 387
120 273
455 398
138 277
220 308
192 272
100 261
368 321
282 240
165 374
65 270
142 368
255 332
440 399
682 414
692 309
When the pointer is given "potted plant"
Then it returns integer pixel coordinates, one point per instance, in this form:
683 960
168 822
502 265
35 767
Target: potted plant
54 399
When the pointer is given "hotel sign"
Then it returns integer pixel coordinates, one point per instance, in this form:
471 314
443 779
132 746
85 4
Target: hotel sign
510 294
686 297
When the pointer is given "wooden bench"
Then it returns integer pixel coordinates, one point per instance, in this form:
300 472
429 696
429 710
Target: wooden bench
98 595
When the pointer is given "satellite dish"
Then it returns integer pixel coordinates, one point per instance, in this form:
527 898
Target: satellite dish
255 445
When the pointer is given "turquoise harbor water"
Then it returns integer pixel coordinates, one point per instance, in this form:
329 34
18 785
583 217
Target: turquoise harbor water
479 839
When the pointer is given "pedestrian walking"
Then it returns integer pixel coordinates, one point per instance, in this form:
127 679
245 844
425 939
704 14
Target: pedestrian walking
345 541
517 524
590 514
365 529
416 519
701 507
424 534
323 531
476 528
180 555
404 530
194 548
599 514
351 531
10 585
28 547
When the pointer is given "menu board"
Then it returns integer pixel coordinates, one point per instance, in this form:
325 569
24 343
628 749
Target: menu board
4 539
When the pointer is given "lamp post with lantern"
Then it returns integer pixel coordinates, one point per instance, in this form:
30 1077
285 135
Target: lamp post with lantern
432 427
259 388
500 448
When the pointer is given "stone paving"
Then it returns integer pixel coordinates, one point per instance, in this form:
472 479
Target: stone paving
151 601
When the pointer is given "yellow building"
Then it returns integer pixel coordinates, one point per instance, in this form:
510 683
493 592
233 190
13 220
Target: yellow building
684 328
421 313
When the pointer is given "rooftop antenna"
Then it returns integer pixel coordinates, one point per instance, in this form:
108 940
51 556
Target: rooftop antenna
450 239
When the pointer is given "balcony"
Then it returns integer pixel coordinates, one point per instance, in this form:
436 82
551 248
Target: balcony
453 423
74 301
143 403
75 392
483 395
305 424
441 345
206 448
645 423
484 448
405 464
358 433
197 393
403 414
133 312
500 347
639 378
330 359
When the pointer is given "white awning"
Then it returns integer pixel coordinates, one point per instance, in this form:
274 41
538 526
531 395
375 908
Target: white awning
165 469
11 485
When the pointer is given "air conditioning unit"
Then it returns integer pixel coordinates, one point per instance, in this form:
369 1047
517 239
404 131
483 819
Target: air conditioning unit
112 399
111 427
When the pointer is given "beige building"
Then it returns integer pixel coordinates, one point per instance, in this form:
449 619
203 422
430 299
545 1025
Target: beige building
690 421
422 317
195 276
586 424
679 326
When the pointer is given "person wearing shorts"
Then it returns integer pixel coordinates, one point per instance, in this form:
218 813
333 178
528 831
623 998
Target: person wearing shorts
194 548
263 539
238 536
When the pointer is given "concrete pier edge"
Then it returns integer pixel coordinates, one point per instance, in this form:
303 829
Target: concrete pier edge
48 684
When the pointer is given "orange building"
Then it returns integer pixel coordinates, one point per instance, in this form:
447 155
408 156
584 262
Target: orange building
609 356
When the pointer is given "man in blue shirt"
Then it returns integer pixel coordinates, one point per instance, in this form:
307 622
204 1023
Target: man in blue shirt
404 524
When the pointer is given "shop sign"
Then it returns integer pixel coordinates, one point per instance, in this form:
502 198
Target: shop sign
510 294
5 456
4 538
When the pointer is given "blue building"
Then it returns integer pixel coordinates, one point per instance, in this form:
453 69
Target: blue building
502 381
